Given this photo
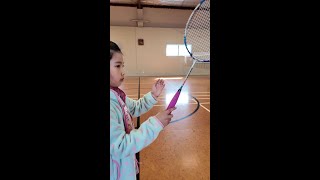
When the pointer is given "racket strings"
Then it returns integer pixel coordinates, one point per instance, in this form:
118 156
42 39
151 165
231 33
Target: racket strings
198 32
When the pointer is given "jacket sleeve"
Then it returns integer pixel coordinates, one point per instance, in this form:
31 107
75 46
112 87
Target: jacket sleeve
141 106
123 145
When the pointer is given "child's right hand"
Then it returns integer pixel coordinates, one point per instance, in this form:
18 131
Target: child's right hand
165 116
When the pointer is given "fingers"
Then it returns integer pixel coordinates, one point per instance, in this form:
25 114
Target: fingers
158 87
165 116
157 82
171 109
160 82
170 116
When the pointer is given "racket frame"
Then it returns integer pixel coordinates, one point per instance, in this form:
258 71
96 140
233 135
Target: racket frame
185 34
172 104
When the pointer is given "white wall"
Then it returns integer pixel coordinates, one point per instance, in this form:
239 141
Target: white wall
150 59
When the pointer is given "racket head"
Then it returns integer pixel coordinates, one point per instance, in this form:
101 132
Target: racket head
197 32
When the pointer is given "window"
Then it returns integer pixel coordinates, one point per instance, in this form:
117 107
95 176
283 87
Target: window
172 50
177 50
183 50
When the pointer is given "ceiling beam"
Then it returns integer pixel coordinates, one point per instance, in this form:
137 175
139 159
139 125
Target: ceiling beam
152 6
139 6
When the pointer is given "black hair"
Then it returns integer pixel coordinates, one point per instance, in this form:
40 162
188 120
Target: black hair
114 48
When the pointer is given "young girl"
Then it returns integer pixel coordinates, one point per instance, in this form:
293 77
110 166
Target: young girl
125 141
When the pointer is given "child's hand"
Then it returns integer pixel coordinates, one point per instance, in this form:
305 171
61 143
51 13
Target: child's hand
165 116
157 88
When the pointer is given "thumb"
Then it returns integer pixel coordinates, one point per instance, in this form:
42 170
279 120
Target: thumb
171 109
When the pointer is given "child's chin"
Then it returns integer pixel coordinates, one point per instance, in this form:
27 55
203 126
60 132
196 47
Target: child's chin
120 83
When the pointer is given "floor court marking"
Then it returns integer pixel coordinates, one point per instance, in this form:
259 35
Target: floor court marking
203 107
201 104
165 101
160 99
205 103
197 108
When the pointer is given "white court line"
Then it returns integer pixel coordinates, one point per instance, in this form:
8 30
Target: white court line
202 106
205 103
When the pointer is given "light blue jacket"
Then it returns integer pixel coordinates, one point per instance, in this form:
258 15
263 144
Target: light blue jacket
123 146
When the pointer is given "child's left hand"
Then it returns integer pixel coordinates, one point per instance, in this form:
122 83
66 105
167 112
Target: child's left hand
157 88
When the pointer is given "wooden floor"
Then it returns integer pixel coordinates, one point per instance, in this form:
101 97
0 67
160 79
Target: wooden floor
182 150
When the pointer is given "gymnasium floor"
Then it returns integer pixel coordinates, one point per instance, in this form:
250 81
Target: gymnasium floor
182 150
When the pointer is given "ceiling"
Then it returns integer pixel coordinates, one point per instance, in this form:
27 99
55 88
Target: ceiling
173 4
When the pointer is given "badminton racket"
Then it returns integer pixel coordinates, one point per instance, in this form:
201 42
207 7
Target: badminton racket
196 40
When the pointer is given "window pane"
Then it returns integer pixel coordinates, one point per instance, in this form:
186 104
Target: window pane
183 51
172 50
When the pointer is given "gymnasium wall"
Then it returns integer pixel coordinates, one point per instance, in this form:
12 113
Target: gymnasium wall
164 26
150 59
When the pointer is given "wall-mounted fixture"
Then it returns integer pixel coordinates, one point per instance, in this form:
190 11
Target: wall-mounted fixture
140 42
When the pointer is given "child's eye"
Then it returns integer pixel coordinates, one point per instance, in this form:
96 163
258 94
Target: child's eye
118 66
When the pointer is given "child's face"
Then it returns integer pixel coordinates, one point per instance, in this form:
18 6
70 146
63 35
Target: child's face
116 70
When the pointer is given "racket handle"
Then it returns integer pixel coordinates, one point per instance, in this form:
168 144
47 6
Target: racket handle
174 100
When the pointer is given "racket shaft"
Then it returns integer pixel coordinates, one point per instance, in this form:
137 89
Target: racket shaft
185 79
174 100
